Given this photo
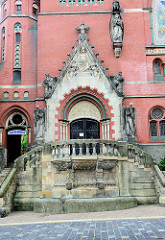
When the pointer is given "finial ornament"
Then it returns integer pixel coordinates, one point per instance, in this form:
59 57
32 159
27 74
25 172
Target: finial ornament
82 29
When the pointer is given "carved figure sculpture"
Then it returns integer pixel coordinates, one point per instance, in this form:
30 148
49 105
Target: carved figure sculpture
39 124
49 84
129 123
115 6
117 28
117 83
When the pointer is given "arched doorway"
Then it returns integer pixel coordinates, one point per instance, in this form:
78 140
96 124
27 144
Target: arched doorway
16 130
84 129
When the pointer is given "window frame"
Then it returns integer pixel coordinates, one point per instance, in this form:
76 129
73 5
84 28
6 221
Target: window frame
159 137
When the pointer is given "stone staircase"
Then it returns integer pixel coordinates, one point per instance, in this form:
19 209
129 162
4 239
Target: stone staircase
142 184
50 178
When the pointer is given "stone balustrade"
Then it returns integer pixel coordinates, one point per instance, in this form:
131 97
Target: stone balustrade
29 159
84 147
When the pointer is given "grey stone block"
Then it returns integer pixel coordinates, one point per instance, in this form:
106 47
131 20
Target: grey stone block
48 206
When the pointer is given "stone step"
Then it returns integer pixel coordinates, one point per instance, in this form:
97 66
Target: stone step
143 192
142 185
142 180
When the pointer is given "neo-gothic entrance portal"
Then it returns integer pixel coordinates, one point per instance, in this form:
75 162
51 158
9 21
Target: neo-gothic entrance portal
84 129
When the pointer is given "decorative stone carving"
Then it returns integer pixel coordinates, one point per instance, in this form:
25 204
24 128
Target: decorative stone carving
84 165
49 84
116 28
129 123
106 165
83 61
117 83
39 125
82 29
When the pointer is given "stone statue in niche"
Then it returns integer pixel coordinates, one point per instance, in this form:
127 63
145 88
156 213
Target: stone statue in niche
39 125
49 84
116 28
129 123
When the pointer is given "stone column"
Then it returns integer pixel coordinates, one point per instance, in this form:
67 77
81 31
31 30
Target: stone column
105 126
29 135
1 133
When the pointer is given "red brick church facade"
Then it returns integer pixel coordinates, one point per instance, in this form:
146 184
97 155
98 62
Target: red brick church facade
37 39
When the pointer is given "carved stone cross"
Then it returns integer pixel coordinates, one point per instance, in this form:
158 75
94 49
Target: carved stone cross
82 30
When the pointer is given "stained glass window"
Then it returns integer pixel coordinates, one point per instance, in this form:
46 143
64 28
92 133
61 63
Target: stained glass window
157 125
91 1
81 1
72 2
62 2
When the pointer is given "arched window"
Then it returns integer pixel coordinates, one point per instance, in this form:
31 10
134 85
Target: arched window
18 4
35 9
16 77
16 95
72 2
17 27
3 44
6 95
91 1
17 52
26 95
18 38
100 1
62 2
81 2
4 11
158 70
157 125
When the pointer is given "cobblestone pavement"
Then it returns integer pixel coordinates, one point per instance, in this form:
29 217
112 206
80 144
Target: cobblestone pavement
132 229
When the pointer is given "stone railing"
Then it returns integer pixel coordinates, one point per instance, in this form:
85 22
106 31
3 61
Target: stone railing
29 159
84 147
159 181
98 147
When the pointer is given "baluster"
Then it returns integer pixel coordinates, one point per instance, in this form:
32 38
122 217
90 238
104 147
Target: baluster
87 149
67 150
61 151
73 150
28 162
53 152
81 149
136 156
141 159
115 151
94 149
101 148
106 149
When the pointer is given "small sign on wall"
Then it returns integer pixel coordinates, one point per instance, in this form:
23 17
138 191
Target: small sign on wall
16 132
81 134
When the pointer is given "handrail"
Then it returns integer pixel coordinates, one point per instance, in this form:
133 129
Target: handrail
6 184
160 175
18 163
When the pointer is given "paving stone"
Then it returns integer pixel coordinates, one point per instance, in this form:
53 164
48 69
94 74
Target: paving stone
146 229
